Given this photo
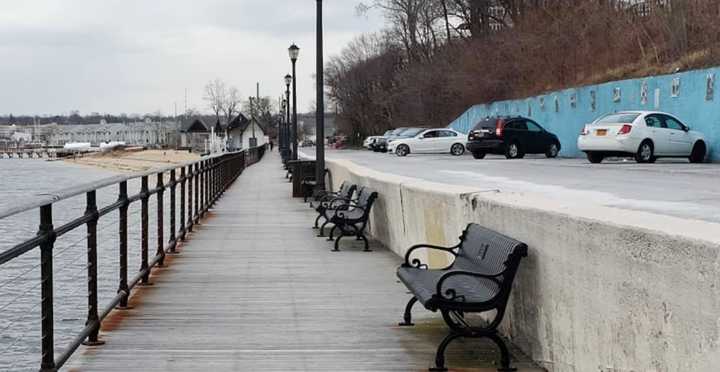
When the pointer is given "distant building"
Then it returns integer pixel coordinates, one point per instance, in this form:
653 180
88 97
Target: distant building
244 133
194 135
133 134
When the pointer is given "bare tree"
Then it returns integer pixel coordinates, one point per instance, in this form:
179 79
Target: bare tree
232 104
215 96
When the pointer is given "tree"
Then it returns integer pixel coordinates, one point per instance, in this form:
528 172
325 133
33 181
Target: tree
232 104
216 96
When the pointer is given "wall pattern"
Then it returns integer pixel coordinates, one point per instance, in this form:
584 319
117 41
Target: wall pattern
688 95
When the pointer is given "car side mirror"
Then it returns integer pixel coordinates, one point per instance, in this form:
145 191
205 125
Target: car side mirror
686 129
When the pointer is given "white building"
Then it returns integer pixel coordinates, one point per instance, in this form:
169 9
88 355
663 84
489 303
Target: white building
244 133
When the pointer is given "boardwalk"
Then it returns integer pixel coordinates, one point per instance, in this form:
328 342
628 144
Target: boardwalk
255 290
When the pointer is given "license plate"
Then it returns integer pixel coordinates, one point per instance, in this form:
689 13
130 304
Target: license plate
601 132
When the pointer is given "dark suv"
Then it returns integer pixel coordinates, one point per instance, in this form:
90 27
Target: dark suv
513 137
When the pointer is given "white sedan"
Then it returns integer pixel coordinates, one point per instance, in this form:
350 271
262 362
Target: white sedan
438 140
645 135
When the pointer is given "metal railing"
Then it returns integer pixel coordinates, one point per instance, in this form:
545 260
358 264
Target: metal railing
201 183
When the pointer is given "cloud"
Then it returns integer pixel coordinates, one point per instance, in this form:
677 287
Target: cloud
140 56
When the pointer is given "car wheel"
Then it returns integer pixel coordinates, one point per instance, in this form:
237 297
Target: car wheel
645 152
552 151
478 155
457 149
698 153
513 151
402 150
595 157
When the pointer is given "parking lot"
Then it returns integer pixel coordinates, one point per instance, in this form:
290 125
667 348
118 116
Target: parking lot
669 187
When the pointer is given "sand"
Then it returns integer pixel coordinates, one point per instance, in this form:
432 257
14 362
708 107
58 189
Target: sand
134 161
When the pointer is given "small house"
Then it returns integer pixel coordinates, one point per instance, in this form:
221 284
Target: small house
244 133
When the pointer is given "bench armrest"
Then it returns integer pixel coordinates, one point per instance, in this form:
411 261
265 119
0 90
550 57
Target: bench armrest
351 207
339 201
451 294
416 263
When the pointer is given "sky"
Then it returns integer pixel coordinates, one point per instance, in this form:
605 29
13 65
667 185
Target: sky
140 56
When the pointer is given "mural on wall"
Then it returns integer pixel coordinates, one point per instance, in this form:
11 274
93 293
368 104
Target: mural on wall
675 90
694 105
710 87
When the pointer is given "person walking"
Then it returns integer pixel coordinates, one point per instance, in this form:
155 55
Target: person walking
272 144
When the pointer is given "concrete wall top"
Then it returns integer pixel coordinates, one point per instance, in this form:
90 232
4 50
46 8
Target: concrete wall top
690 96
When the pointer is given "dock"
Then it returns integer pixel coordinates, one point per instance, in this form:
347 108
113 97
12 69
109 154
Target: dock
254 289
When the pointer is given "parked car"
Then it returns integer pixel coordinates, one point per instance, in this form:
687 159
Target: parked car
644 135
370 142
512 136
437 140
381 145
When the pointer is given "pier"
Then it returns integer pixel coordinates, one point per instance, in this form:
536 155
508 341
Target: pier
254 289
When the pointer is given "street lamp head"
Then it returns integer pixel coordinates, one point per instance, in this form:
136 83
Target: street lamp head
294 52
288 79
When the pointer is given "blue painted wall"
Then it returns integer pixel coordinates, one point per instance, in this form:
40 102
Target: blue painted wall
692 105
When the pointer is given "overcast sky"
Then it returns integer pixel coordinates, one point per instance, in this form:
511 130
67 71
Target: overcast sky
139 56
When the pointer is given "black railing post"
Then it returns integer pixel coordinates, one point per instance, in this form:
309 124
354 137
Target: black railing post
160 252
46 272
203 175
93 319
182 203
207 184
191 220
173 185
196 176
145 196
123 231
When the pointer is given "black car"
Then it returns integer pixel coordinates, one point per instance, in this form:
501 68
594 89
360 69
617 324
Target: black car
513 137
381 144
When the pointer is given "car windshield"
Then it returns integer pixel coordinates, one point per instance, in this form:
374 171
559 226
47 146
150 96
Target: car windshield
619 118
388 133
412 132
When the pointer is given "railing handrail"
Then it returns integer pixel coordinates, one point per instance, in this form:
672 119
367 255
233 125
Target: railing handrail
70 192
206 180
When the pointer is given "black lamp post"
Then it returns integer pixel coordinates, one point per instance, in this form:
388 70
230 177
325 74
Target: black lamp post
320 107
288 81
294 52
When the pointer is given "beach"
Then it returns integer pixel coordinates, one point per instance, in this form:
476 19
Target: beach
127 161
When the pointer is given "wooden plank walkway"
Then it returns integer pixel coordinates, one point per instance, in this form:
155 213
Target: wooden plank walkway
255 290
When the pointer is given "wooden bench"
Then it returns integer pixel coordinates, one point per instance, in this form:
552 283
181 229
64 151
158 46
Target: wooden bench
352 220
479 280
331 201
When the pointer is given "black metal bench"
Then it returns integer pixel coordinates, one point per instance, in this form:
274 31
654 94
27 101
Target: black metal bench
479 280
352 220
331 201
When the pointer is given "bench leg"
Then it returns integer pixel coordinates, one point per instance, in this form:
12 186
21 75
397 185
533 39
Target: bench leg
332 233
440 356
322 229
407 317
504 353
365 240
337 241
317 222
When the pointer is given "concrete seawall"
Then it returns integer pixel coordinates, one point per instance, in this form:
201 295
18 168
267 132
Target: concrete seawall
602 290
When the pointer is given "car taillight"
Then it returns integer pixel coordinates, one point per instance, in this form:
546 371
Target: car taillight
499 128
626 128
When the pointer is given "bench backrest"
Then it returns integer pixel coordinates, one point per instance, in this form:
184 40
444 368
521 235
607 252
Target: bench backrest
366 199
489 252
347 190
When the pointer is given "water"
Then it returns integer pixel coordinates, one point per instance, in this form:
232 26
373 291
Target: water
21 180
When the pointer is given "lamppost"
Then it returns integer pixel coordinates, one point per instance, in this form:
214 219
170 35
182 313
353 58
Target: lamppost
294 52
288 81
320 107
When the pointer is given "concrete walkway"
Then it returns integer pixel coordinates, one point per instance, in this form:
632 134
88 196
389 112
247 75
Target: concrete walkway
255 290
